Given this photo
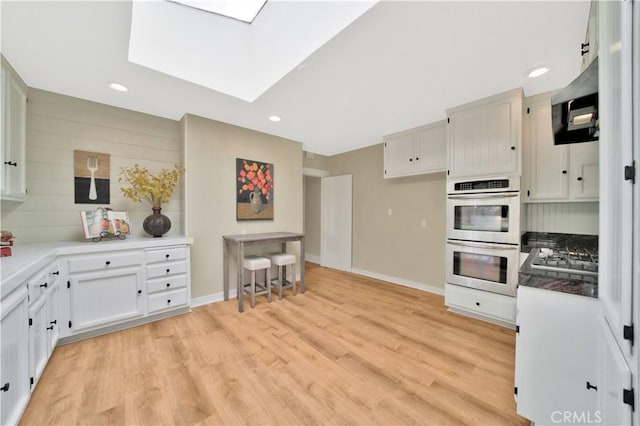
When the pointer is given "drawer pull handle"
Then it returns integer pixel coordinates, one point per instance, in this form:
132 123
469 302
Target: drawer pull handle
590 386
45 285
53 322
108 262
56 273
168 284
50 328
477 303
6 386
11 163
139 291
168 301
167 256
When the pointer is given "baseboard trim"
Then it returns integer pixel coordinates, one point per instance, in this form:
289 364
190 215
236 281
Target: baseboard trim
400 281
313 258
212 298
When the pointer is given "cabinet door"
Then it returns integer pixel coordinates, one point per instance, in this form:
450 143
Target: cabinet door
556 351
484 138
14 362
38 338
548 164
53 321
585 171
399 154
105 297
431 149
14 103
614 378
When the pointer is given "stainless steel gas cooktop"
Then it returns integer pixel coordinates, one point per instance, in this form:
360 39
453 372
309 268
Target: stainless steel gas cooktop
576 261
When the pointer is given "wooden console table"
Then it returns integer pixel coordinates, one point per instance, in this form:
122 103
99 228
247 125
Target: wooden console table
240 240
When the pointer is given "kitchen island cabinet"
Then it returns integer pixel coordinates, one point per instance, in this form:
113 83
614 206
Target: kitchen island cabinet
484 137
556 356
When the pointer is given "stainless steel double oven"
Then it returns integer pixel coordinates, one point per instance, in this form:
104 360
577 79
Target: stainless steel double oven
483 233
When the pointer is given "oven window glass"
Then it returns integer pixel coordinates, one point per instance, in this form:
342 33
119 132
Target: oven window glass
482 218
480 266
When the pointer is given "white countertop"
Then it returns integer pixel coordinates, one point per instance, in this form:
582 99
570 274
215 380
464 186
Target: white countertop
28 258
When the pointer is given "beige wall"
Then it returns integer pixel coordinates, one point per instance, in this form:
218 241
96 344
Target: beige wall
312 217
395 245
56 126
211 149
315 161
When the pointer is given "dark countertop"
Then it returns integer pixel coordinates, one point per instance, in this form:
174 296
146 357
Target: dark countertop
557 281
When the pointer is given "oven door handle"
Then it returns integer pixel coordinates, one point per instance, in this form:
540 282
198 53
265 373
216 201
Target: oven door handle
492 195
482 245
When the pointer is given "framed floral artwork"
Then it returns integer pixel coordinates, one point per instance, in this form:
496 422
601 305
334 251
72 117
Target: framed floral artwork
254 190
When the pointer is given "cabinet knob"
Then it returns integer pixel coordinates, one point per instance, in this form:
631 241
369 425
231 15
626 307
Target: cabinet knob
477 303
167 256
5 387
50 328
168 284
579 178
564 172
513 148
45 285
11 163
417 158
53 322
410 159
168 270
55 273
139 291
590 386
108 262
168 301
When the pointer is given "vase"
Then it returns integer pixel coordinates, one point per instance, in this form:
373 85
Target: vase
156 224
255 199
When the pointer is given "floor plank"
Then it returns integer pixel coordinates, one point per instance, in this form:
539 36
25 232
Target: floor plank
350 350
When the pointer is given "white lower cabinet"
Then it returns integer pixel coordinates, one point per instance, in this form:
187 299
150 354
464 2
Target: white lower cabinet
79 295
14 362
101 298
481 304
556 377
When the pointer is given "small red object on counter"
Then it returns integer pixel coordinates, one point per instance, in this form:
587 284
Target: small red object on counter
6 242
5 251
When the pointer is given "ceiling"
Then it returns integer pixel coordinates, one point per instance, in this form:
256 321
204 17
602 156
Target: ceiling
399 65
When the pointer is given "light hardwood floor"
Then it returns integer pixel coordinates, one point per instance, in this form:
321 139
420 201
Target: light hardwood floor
350 350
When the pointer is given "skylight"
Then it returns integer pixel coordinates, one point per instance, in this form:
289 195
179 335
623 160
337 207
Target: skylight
242 10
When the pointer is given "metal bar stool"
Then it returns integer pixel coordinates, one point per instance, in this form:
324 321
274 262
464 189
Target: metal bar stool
253 264
282 260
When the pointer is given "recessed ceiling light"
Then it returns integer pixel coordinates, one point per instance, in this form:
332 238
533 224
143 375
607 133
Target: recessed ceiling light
119 87
537 71
275 118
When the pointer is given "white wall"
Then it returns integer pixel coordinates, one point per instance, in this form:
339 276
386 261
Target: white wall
566 218
56 126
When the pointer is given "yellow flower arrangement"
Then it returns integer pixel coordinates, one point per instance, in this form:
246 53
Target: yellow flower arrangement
155 188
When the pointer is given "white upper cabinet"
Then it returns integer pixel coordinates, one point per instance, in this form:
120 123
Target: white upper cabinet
13 134
556 172
416 151
485 136
589 49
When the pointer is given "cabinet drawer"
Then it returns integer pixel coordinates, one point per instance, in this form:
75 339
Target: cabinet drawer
481 302
166 254
169 283
166 300
37 285
166 269
105 261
